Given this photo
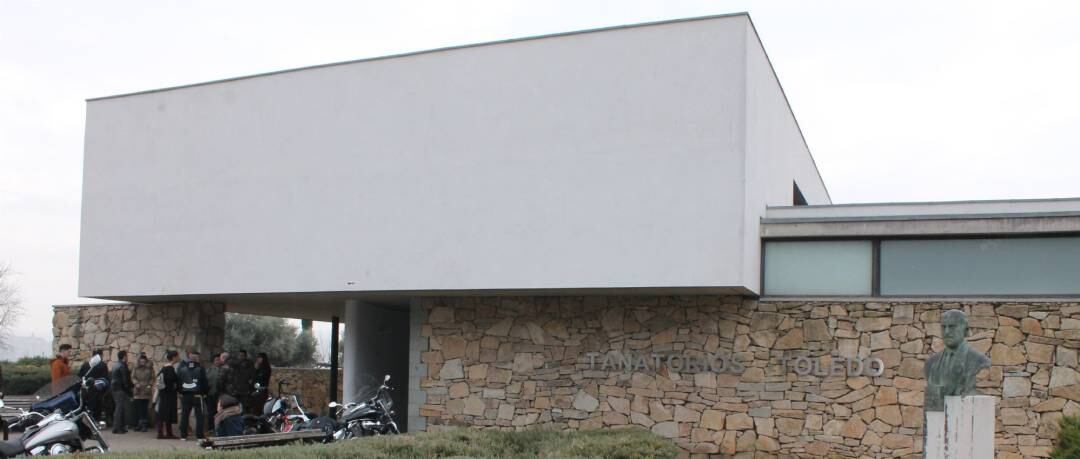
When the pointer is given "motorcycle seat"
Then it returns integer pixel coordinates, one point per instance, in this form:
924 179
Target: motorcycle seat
10 448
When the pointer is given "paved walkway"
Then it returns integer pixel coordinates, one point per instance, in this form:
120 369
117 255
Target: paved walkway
139 441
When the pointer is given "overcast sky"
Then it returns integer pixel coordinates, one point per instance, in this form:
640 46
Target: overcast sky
932 101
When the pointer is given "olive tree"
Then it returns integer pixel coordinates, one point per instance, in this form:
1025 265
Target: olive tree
283 343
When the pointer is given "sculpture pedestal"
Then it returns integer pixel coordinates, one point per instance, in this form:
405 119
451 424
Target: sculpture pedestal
965 430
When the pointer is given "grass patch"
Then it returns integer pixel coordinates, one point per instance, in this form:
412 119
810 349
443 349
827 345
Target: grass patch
462 443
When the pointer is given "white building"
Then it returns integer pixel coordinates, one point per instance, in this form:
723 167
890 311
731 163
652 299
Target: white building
645 160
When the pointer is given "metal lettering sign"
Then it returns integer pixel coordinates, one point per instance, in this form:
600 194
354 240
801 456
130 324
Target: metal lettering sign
838 366
630 362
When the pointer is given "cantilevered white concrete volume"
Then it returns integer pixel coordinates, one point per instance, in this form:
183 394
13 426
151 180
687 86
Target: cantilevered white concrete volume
623 158
632 159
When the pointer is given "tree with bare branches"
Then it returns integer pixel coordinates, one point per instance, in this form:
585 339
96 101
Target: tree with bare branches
10 307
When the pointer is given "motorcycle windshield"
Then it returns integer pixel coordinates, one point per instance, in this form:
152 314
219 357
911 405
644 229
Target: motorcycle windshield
61 385
370 392
59 395
388 402
368 388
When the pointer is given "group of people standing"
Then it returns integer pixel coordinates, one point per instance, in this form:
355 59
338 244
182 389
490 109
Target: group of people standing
218 394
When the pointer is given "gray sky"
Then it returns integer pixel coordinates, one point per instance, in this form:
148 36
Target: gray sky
931 101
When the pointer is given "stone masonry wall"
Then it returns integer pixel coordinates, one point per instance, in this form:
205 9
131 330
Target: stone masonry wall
312 385
150 328
516 363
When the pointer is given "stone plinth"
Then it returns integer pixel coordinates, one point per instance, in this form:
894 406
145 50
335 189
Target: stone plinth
965 430
969 427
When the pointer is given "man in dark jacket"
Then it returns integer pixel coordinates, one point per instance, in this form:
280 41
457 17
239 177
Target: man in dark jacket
94 398
217 380
192 389
243 376
122 388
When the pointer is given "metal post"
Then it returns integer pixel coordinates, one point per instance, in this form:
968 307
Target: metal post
334 323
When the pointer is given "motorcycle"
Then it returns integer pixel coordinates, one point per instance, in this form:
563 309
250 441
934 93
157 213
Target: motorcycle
59 424
277 412
277 416
257 425
371 417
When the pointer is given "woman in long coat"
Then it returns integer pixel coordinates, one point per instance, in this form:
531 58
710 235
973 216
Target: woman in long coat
166 396
143 378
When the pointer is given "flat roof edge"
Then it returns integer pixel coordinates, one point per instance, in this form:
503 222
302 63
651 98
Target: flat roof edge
886 218
360 294
962 299
428 51
83 305
930 203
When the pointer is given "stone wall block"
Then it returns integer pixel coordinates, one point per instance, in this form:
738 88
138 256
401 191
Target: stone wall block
530 369
148 328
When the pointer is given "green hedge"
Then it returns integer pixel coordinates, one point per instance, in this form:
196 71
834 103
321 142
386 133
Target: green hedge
25 376
471 443
1068 444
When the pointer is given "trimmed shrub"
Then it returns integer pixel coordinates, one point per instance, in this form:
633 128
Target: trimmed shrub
1068 444
629 443
25 376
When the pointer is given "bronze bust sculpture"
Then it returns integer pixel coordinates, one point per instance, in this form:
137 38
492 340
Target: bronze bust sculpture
952 371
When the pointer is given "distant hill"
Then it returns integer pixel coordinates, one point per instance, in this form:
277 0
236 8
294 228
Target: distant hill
26 346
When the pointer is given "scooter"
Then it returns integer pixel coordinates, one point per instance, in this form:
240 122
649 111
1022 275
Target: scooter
61 431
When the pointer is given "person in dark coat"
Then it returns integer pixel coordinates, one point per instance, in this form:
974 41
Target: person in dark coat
94 398
193 388
229 420
122 391
241 381
262 378
167 385
217 381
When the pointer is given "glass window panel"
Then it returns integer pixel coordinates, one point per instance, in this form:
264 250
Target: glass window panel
818 268
1022 266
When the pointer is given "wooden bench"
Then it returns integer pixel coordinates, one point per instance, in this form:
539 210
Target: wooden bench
270 439
12 404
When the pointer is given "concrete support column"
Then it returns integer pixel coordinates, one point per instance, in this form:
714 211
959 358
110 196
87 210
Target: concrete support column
376 345
356 362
